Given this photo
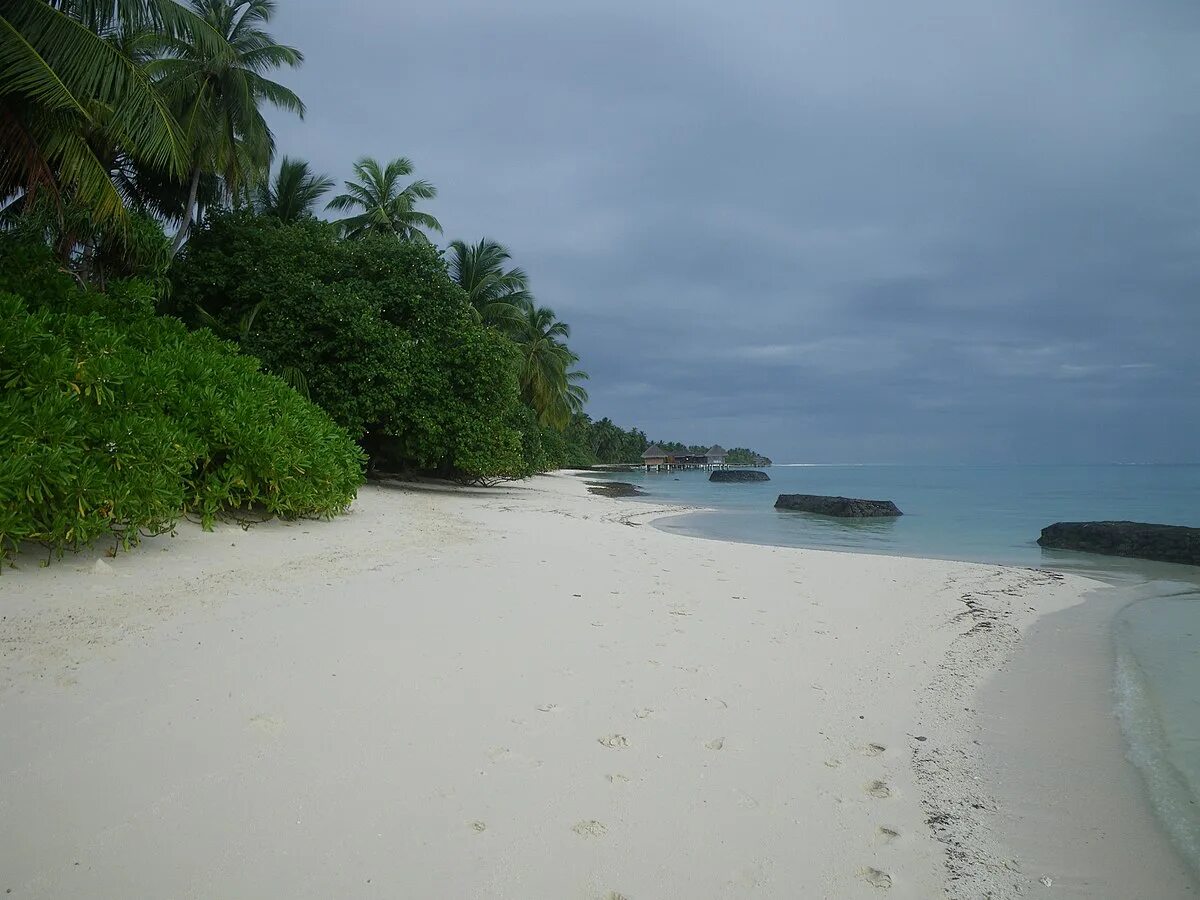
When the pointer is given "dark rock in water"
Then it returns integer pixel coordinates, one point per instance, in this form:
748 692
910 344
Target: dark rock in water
738 475
614 489
1165 543
844 507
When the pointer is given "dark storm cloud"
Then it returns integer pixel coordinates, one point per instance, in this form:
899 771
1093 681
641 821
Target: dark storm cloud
833 231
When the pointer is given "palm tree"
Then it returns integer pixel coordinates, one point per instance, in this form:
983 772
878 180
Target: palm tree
63 76
385 208
576 396
217 91
293 193
498 297
549 384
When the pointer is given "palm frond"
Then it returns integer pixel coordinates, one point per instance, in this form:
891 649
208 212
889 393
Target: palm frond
380 206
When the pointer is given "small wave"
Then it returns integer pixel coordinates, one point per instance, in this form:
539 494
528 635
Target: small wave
1145 717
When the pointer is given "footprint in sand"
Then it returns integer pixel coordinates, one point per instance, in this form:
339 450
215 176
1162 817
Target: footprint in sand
268 725
643 713
833 763
888 835
874 749
715 744
548 707
615 741
617 778
589 829
479 827
879 790
876 878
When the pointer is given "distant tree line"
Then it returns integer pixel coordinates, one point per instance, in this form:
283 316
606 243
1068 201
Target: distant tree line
741 456
602 442
738 456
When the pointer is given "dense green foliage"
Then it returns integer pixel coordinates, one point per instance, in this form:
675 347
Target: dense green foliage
153 105
116 421
67 87
124 120
609 443
385 341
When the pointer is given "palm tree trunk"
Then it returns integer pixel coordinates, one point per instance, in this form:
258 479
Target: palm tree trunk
188 212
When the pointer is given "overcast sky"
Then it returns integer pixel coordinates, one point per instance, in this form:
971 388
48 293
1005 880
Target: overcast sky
834 231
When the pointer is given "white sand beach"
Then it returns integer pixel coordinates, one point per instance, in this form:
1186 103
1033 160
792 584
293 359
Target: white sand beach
516 692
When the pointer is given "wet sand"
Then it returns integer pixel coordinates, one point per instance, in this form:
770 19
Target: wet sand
1068 802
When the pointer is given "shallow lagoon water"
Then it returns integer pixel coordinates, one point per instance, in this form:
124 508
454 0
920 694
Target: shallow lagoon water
972 513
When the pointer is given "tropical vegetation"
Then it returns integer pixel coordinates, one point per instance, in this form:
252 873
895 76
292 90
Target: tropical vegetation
117 422
384 338
184 335
498 296
294 192
380 206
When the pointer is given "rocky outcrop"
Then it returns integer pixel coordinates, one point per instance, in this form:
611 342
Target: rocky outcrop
1165 543
844 507
738 475
614 489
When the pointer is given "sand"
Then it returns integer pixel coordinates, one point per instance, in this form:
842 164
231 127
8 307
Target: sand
520 692
1068 802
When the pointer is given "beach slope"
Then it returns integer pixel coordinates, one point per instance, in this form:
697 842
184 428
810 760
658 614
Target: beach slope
518 692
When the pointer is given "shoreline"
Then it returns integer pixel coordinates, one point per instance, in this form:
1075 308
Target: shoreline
747 692
1068 799
1132 855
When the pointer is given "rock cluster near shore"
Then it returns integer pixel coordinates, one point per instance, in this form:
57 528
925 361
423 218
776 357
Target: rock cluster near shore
614 489
843 507
1141 540
738 475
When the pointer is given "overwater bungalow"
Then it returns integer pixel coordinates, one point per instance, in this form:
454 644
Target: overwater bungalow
656 457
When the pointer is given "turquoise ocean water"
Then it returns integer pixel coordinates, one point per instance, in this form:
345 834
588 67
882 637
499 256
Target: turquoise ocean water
993 514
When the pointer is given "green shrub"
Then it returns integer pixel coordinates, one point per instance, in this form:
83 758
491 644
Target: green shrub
116 421
380 336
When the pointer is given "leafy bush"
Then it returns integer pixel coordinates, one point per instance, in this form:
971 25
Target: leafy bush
95 250
542 447
115 421
375 330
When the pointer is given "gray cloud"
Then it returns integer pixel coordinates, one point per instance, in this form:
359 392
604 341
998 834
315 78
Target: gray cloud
835 232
